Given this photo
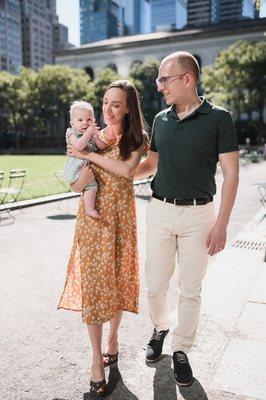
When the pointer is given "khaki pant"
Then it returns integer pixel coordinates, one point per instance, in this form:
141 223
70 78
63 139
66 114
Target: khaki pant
182 231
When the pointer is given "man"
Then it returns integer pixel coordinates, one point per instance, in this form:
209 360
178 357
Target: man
188 139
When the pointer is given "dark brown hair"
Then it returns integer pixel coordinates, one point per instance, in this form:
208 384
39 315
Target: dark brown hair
132 136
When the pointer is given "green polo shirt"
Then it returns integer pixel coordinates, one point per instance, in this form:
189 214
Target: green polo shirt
189 150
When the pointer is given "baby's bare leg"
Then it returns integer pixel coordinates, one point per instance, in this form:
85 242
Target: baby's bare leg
89 197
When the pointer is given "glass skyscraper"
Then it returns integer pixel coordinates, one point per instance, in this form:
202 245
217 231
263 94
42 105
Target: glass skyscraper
137 16
100 19
167 14
10 36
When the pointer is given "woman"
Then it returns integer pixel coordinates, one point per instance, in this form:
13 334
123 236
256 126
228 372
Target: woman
102 278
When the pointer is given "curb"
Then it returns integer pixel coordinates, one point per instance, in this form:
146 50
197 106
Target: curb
38 201
56 197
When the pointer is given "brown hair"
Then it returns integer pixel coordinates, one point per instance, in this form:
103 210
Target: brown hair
132 137
187 61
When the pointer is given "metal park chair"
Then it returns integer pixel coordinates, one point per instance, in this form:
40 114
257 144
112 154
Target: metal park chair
15 185
262 192
10 193
1 178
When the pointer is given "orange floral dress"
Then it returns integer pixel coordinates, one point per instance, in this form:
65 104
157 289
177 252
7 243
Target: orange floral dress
102 274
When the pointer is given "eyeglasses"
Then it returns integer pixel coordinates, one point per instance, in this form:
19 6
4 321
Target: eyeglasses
165 80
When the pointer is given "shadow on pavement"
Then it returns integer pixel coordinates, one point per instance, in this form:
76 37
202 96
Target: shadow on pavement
164 385
116 388
62 216
193 392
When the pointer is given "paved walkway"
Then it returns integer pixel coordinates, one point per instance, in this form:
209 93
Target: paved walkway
45 353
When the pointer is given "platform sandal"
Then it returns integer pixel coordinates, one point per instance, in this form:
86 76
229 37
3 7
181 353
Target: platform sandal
98 388
109 359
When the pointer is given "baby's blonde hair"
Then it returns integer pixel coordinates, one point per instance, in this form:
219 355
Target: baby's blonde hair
81 104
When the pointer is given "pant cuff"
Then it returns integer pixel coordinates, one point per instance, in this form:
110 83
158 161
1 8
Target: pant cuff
185 349
159 328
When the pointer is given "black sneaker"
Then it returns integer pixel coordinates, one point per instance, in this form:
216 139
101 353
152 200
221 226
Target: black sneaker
182 370
155 345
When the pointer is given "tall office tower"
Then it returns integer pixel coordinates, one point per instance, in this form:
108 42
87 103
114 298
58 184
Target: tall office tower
167 14
37 32
203 12
60 35
235 9
137 16
100 19
41 32
10 36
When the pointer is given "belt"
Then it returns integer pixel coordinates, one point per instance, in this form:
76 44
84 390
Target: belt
185 202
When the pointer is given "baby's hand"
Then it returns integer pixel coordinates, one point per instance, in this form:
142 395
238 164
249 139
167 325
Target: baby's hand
89 131
96 132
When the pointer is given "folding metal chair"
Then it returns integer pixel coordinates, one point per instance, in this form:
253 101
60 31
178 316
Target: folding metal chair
15 185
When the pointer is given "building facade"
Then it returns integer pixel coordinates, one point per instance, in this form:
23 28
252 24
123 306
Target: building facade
200 12
10 36
235 9
123 52
168 14
29 34
100 19
37 32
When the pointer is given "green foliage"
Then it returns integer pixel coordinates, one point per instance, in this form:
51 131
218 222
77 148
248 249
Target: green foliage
55 88
238 80
37 104
6 94
143 76
98 87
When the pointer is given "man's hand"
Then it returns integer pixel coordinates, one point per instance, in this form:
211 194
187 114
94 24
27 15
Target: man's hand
216 239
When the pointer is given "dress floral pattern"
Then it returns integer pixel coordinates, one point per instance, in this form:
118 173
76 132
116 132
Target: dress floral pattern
102 274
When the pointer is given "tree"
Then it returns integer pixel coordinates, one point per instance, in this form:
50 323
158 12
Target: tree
238 81
6 81
55 88
143 76
22 117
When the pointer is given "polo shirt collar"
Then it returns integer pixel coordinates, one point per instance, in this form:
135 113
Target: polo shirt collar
204 108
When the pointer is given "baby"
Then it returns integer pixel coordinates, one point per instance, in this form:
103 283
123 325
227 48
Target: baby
80 136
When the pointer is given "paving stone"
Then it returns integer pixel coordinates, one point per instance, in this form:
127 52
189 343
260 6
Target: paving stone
242 369
45 353
233 262
252 322
222 301
258 291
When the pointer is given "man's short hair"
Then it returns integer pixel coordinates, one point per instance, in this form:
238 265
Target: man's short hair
80 104
188 62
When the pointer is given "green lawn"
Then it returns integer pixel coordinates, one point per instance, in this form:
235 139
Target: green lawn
40 174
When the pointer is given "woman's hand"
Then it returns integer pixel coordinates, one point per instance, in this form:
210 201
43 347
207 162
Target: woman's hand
72 152
86 176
